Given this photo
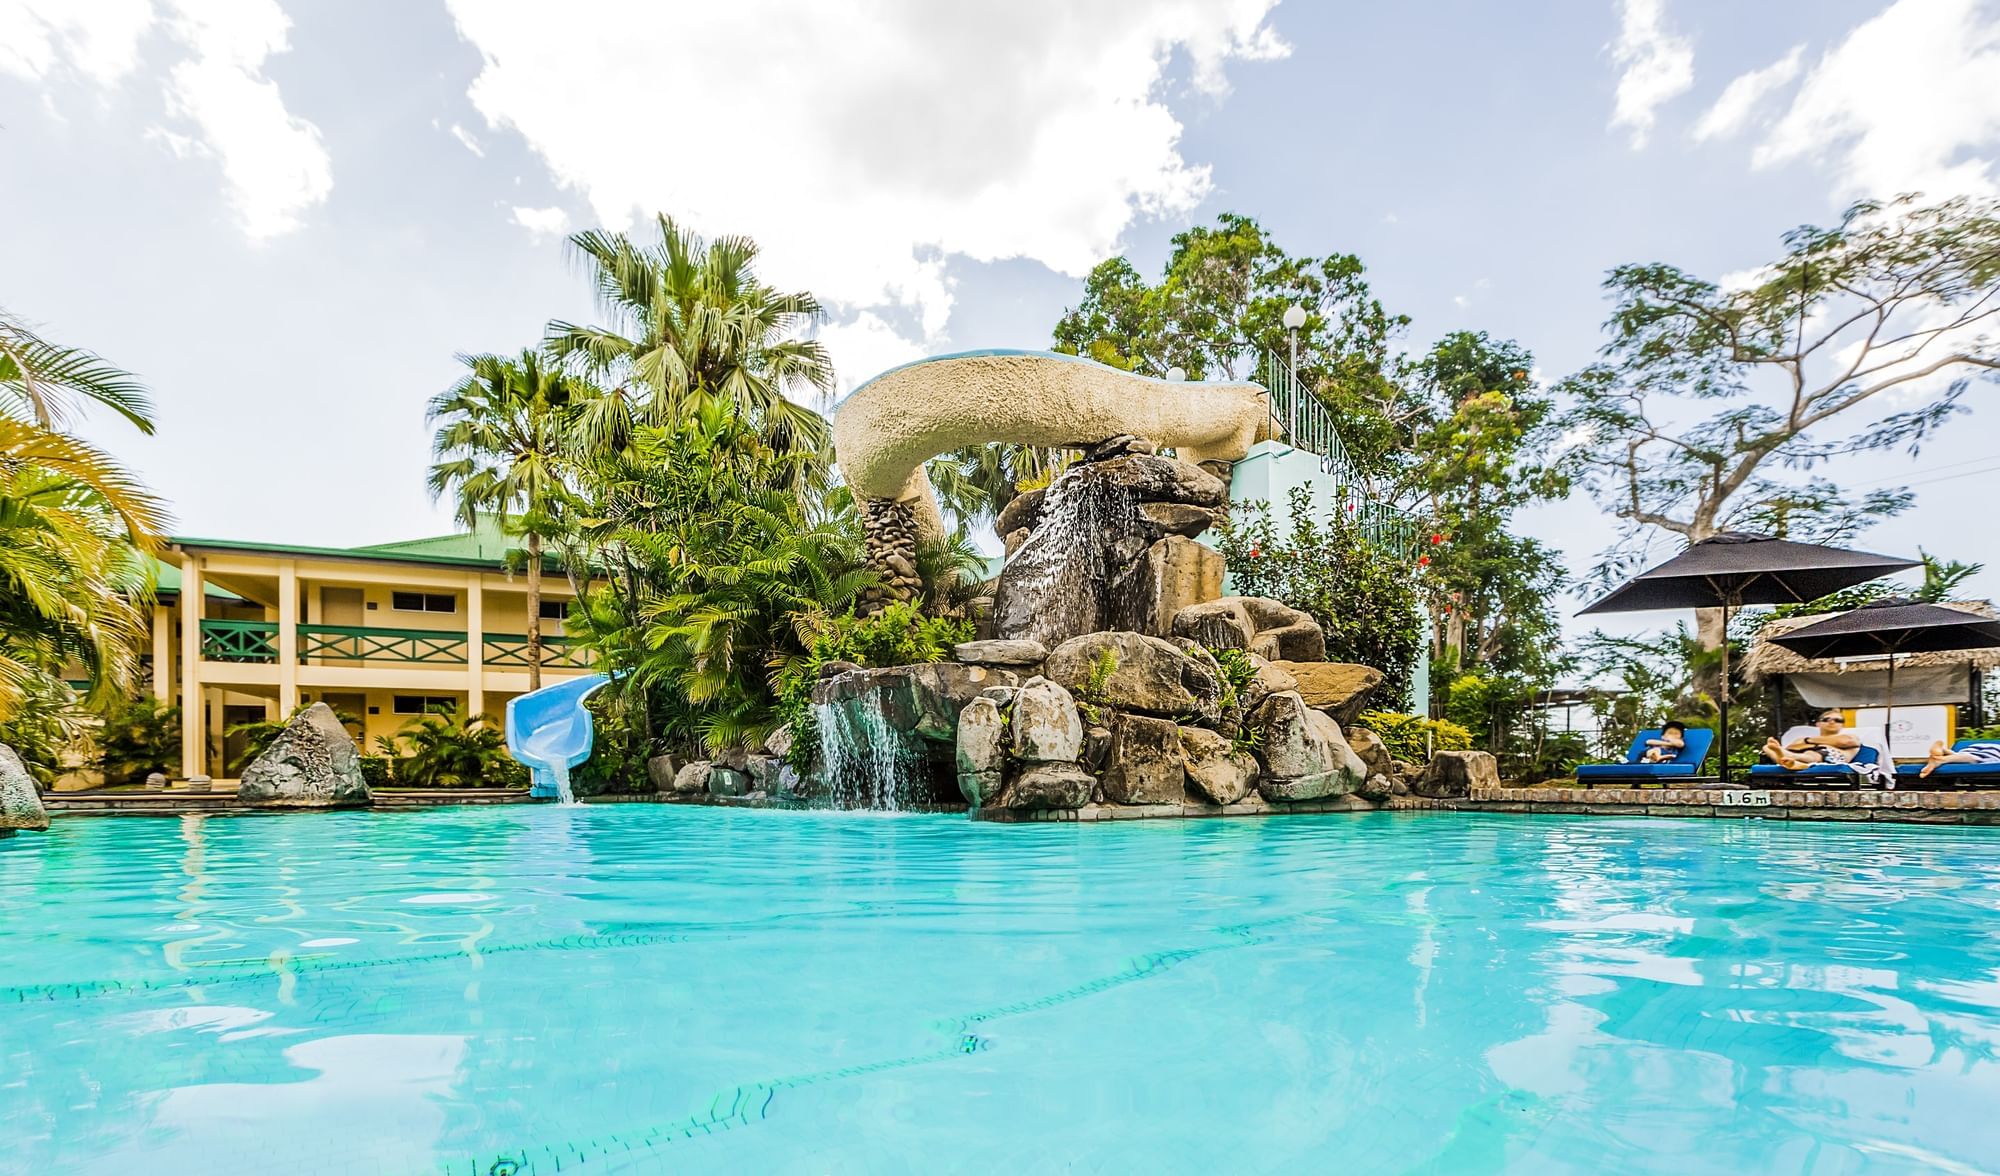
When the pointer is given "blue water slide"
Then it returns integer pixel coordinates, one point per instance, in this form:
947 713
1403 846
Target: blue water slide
550 728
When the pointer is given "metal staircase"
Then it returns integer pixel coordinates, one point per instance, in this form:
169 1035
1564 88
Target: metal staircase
1301 420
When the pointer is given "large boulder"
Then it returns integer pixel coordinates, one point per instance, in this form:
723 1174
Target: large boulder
1020 512
1304 753
20 799
1176 518
1373 752
1048 786
313 763
920 700
1341 689
1177 573
1133 672
1215 768
1144 765
780 741
1046 727
1000 653
1454 774
661 770
1149 477
1271 679
727 781
981 750
1265 627
693 777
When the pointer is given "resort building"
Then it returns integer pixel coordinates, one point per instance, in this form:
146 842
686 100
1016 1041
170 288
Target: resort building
248 631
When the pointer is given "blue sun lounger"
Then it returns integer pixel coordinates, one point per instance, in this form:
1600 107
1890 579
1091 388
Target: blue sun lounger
1684 766
1818 773
1956 775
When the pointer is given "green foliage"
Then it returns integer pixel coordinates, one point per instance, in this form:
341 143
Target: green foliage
1412 738
1094 682
1988 733
377 771
1715 403
448 751
139 736
1362 596
1238 673
46 728
897 635
619 747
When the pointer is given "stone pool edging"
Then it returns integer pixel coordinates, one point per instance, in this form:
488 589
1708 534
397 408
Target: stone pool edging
1784 804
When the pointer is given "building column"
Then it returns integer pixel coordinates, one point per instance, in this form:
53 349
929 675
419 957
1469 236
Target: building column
194 730
475 646
163 654
212 726
288 638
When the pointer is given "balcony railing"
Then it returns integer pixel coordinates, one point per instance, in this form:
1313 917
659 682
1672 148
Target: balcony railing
421 647
1302 419
511 649
257 641
239 641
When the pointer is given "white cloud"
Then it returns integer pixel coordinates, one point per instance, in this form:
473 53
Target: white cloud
274 163
542 222
1741 97
863 145
1656 65
98 39
465 137
1910 101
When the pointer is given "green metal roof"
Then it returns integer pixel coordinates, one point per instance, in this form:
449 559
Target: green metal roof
485 546
167 579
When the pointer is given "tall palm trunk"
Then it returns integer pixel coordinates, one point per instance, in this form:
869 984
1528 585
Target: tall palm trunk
534 611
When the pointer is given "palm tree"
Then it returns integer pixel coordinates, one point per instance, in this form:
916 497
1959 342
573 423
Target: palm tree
74 525
691 323
504 446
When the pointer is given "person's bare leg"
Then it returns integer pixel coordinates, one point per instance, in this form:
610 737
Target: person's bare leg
1953 757
1774 750
1932 760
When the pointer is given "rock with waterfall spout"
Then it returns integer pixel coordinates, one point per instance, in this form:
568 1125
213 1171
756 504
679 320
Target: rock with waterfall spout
1304 754
1145 765
920 700
1046 726
1134 672
1215 767
1119 446
1453 774
1092 560
693 777
20 799
313 763
981 752
1048 786
1341 689
1000 653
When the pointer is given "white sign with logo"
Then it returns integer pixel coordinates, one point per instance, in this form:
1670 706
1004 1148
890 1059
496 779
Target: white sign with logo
1914 730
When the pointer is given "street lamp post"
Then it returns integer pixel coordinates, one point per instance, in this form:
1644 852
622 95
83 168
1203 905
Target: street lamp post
1295 317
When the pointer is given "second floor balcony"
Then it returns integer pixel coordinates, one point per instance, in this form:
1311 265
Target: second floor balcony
352 645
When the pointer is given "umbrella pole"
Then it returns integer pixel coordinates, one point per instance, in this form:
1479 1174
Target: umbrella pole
1722 768
1889 714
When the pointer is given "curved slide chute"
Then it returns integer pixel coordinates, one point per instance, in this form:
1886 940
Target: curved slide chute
886 429
550 731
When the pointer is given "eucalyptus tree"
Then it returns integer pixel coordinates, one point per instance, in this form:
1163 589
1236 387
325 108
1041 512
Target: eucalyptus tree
506 448
690 323
1719 403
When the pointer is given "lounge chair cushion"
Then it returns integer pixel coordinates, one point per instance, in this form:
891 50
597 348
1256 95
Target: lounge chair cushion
1633 771
1865 755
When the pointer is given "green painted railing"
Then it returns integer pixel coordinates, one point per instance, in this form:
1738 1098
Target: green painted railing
1301 418
357 643
511 649
239 641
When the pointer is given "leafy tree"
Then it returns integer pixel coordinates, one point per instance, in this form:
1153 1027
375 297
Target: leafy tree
691 324
1897 298
505 446
139 736
1367 605
449 751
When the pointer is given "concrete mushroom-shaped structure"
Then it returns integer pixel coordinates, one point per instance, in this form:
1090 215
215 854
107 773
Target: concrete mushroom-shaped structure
886 430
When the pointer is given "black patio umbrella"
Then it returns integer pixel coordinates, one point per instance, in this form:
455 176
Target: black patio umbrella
1730 570
1893 627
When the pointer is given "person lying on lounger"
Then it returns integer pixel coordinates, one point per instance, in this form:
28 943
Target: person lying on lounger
1833 744
1664 750
1971 753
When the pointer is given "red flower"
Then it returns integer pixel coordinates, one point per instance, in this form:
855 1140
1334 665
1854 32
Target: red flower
1423 561
1436 539
1256 552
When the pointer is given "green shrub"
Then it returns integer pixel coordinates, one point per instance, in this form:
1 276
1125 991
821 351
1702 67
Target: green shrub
447 751
619 747
898 635
139 737
1412 738
375 771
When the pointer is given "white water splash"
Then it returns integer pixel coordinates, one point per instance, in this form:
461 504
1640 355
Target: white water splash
560 771
867 764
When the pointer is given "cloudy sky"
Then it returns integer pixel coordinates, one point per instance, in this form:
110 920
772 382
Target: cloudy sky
289 215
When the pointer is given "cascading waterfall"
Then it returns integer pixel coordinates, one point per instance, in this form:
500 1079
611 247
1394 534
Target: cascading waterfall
1056 586
560 770
866 763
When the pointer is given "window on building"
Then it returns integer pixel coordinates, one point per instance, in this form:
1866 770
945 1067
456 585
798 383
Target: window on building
555 610
438 602
425 704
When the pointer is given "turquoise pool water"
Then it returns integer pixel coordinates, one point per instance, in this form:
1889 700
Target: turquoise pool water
639 989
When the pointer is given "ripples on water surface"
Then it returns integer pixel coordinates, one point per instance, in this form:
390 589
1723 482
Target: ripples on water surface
637 989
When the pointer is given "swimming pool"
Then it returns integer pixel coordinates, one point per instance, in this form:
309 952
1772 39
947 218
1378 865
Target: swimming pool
641 988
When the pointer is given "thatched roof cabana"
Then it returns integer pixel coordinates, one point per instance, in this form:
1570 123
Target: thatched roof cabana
1767 658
